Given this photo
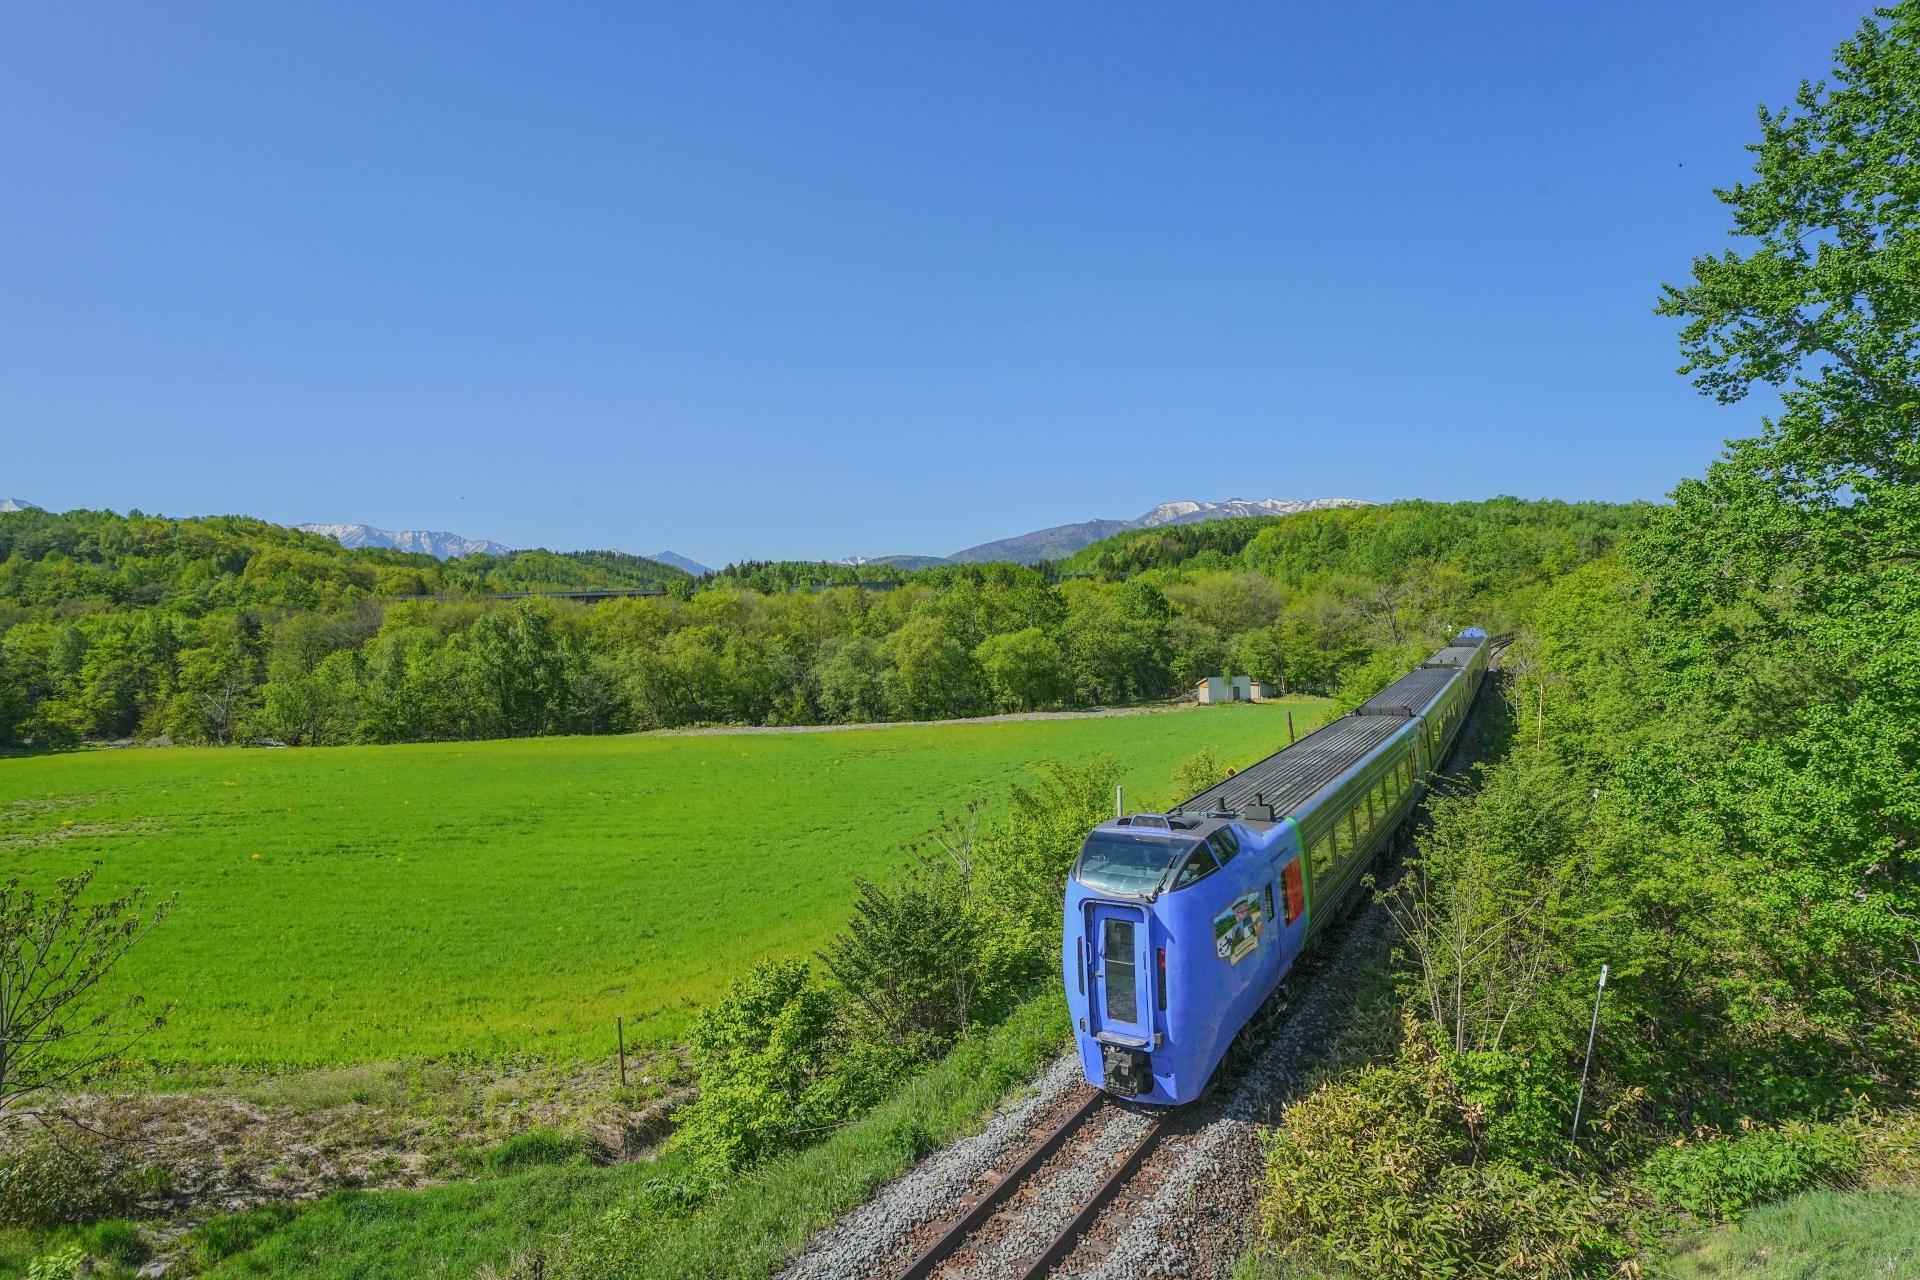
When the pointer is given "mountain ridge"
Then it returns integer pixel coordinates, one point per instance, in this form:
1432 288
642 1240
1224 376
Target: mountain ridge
1063 540
436 543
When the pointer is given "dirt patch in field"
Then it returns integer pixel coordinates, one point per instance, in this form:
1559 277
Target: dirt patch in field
247 1141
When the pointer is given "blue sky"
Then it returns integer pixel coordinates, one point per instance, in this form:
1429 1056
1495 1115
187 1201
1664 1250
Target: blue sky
825 279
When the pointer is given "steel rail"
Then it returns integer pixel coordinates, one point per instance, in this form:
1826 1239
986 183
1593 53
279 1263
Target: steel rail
967 1223
1070 1234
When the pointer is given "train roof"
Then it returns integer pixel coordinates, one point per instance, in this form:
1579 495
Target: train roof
1293 775
1454 655
1410 694
1289 778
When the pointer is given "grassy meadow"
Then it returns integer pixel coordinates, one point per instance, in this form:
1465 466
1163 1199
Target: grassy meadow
353 904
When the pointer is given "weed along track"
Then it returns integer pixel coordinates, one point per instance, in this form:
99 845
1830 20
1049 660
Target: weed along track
1069 1181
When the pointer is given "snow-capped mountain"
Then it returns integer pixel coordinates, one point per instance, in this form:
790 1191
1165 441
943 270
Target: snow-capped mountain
443 546
1065 539
16 504
1195 512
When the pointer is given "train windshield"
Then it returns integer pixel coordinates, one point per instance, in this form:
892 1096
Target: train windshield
1133 865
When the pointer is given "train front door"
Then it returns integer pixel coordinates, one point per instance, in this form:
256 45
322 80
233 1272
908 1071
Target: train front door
1121 994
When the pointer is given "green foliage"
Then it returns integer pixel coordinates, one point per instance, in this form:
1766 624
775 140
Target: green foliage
115 1240
771 1067
1198 772
1719 1178
1388 1171
62 1264
44 1183
232 631
1023 859
909 957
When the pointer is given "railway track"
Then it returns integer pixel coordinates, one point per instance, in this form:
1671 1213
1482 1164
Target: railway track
986 1237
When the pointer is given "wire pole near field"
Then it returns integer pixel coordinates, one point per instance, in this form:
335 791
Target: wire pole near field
1119 802
1581 1101
620 1032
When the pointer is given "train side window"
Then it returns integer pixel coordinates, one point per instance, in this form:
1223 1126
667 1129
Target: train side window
1382 802
1390 787
1199 863
1324 853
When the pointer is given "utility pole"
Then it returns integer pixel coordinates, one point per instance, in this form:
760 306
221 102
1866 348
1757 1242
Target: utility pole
1581 1100
1119 802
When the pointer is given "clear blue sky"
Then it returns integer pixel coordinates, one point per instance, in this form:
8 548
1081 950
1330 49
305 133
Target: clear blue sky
823 279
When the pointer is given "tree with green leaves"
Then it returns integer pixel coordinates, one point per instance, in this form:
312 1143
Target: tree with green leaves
1784 586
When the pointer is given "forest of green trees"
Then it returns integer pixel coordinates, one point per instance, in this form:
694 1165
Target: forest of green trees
231 630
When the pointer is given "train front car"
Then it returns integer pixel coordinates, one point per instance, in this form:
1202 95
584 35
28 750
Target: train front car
1176 929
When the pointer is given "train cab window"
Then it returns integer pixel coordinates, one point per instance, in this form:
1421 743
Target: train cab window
1199 863
1129 864
1225 845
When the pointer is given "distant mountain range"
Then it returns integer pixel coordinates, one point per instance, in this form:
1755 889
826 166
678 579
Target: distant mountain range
442 546
1065 539
451 546
1055 543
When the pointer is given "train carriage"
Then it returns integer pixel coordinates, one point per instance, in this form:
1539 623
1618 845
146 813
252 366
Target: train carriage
1179 925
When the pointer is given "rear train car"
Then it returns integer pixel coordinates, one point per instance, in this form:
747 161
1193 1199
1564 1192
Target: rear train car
1178 926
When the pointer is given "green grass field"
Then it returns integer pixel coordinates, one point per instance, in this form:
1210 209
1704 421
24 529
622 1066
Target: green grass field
354 904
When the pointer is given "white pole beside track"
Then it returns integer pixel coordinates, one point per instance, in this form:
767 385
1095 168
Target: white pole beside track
1581 1100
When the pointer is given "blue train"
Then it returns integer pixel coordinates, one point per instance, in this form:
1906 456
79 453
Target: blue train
1179 925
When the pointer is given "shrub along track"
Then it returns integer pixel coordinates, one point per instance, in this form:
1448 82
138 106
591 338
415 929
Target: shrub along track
1065 1184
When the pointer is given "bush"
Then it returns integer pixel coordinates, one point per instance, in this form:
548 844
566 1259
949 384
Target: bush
775 1066
1199 771
1719 1179
61 1264
45 1184
1382 1172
